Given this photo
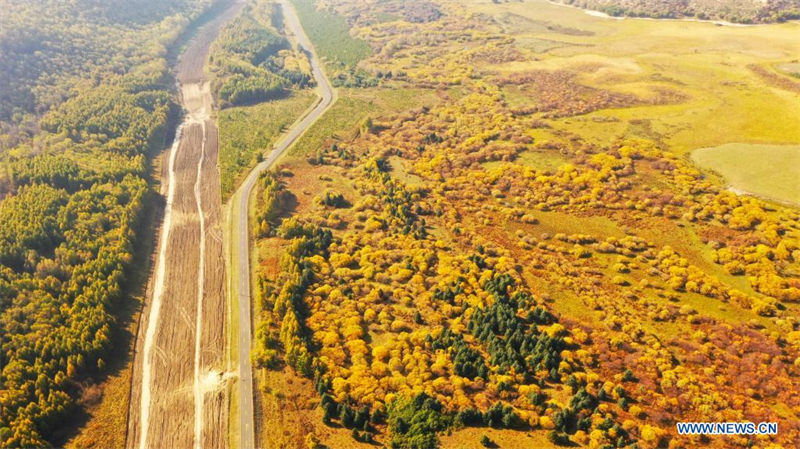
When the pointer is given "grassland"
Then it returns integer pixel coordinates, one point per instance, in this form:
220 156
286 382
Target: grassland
792 68
707 63
770 171
737 11
246 133
330 34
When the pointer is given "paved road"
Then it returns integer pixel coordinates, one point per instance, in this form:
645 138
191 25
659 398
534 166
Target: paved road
239 217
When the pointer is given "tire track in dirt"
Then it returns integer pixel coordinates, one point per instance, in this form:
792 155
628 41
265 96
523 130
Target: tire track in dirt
166 405
182 361
158 292
198 332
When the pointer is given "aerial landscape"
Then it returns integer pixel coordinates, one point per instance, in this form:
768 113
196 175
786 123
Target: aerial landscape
406 224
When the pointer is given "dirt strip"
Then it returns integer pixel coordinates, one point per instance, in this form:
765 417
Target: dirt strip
178 395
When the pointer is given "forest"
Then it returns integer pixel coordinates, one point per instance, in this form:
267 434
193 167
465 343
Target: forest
482 271
252 62
87 102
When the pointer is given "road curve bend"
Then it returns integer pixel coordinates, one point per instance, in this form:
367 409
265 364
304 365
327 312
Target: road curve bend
240 277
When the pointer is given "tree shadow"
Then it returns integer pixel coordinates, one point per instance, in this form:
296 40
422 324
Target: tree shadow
289 204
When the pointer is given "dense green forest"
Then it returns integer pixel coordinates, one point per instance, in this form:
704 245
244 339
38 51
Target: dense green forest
253 62
85 101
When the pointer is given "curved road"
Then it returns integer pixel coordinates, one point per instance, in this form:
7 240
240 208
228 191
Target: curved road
240 277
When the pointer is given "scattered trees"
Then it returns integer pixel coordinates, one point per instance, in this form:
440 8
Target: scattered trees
430 282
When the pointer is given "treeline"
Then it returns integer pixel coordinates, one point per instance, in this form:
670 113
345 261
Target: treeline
752 11
252 61
76 185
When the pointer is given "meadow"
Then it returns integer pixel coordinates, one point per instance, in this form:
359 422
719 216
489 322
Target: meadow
695 80
769 171
330 34
247 133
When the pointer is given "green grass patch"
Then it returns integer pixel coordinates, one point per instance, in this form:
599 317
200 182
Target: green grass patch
247 132
771 171
330 34
401 170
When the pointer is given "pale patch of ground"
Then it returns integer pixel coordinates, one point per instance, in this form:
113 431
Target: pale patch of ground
769 171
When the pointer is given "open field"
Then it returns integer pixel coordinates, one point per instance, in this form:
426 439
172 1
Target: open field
769 171
248 132
728 12
792 68
330 35
706 64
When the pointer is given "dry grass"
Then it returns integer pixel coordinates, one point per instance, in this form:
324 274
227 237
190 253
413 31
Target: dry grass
108 417
289 412
726 101
507 439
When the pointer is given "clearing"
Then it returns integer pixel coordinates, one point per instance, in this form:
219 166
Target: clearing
769 171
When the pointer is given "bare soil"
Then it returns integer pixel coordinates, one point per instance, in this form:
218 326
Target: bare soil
167 353
191 65
171 400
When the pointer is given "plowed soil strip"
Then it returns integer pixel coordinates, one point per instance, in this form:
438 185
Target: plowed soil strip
178 395
198 332
158 293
